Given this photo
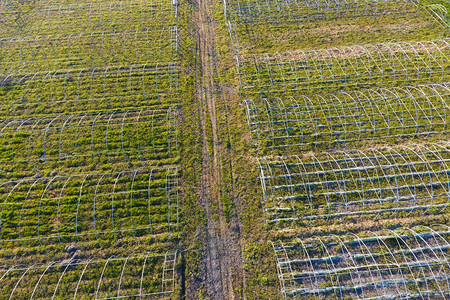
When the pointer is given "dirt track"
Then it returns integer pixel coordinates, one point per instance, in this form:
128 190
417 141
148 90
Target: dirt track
222 256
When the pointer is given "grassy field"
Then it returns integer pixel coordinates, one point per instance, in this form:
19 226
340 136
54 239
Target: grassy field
346 138
224 150
91 96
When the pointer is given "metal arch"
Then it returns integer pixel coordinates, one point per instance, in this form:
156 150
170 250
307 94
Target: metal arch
338 167
92 134
417 107
270 120
286 260
281 70
430 173
101 276
433 172
40 278
307 186
282 108
272 12
106 133
445 106
121 134
266 61
405 258
445 242
51 85
172 194
447 167
26 89
327 196
372 121
9 141
45 135
341 242
396 188
379 191
405 110
172 134
142 276
280 274
361 243
401 59
59 208
39 211
61 134
391 254
81 277
342 116
430 248
287 174
170 268
262 179
322 111
293 67
21 277
316 125
298 114
396 158
333 267
248 103
76 136
121 275
305 251
46 129
3 207
354 181
149 203
131 204
60 278
137 136
78 208
438 13
22 210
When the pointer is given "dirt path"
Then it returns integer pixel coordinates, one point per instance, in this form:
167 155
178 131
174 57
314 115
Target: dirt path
222 259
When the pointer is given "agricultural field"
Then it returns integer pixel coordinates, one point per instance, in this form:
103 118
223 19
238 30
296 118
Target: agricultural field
235 149
91 172
343 105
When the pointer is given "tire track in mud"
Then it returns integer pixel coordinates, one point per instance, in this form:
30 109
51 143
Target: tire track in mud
221 258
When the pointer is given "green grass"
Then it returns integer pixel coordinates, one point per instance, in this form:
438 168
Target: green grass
409 26
90 90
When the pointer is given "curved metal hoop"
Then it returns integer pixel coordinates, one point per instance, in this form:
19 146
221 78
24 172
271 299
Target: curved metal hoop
383 181
139 275
402 263
89 207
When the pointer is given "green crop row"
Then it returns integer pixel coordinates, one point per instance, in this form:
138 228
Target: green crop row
138 275
120 136
81 208
89 49
98 89
81 18
331 120
341 184
276 11
354 67
408 263
287 36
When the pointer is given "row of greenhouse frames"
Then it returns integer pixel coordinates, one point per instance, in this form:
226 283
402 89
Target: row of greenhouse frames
309 113
91 85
